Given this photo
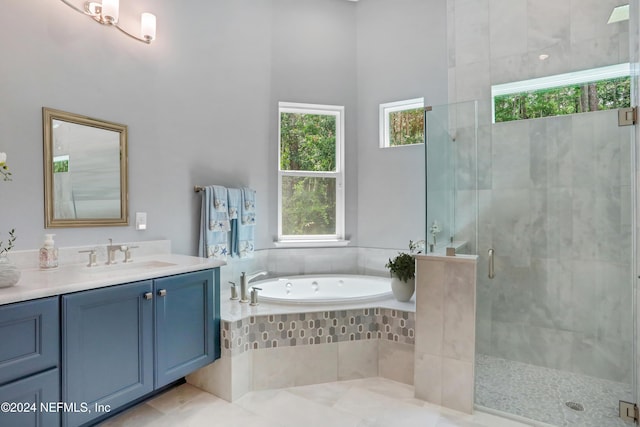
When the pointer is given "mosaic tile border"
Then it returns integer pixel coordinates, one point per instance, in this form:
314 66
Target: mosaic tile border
287 330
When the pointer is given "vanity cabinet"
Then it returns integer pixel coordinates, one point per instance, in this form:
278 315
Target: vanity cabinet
107 348
29 361
123 342
187 331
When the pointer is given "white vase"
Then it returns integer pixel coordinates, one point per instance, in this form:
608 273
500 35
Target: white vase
403 291
9 273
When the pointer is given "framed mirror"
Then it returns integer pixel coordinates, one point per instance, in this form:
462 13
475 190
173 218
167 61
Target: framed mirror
85 171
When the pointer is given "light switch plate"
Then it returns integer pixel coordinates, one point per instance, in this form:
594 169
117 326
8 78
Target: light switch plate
141 220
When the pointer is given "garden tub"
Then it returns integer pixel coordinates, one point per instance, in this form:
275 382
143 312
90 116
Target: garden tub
324 289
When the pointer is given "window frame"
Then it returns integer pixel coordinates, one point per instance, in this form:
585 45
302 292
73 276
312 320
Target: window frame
393 107
315 239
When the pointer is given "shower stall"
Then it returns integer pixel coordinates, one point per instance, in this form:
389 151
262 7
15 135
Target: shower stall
549 202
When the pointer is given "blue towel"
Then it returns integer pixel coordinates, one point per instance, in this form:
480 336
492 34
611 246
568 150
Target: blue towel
213 244
246 224
219 214
233 204
235 196
248 206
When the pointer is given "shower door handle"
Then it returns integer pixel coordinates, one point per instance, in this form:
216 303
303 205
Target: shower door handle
492 272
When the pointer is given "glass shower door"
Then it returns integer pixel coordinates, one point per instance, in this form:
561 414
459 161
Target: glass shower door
555 324
552 198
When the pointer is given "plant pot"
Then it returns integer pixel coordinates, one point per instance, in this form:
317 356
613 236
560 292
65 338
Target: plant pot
403 291
9 273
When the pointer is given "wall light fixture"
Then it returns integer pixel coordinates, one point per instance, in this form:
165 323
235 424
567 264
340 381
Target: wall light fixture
107 13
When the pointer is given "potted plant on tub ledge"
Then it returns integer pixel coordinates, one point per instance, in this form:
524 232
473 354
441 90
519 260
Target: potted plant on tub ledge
403 276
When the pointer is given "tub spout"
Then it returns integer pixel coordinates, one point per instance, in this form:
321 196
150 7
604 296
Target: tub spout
244 280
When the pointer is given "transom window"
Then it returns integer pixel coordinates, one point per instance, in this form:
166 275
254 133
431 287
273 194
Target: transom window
604 88
310 172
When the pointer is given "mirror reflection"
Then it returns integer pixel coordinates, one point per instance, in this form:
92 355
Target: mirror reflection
85 171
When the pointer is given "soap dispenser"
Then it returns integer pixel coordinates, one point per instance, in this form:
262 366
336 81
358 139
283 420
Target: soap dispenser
48 253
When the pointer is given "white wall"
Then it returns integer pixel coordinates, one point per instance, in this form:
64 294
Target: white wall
201 104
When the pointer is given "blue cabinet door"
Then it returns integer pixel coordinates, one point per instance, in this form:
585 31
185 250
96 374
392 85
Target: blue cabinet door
33 401
29 337
187 323
107 351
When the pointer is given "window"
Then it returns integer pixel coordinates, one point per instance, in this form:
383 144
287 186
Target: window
311 172
402 123
604 88
61 163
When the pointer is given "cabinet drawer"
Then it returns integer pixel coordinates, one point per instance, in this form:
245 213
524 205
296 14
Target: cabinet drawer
34 401
29 333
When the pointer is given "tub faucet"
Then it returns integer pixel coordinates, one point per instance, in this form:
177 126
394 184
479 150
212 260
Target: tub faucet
244 280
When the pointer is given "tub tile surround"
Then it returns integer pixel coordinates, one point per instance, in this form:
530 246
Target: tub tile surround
284 350
291 262
325 327
273 368
445 330
301 261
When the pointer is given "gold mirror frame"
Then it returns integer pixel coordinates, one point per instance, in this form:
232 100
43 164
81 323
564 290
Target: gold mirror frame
48 116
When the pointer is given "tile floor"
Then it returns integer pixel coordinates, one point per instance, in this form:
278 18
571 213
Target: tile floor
539 393
371 402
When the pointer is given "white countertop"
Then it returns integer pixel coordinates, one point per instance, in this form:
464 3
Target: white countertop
36 283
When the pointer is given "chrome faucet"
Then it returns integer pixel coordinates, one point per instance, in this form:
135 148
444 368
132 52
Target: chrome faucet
244 280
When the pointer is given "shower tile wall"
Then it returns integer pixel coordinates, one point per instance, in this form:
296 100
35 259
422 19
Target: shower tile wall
554 194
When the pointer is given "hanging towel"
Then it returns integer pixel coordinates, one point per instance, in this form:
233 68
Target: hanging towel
213 244
219 214
247 222
234 195
248 207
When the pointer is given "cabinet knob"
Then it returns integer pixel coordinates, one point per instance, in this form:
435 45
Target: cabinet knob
148 295
162 292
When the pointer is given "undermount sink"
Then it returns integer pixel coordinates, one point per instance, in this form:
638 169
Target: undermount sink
142 265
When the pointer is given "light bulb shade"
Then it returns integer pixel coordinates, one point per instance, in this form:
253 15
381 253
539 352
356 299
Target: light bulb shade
110 11
148 26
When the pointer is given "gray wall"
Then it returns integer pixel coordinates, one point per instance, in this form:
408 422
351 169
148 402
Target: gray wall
201 104
555 196
401 55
